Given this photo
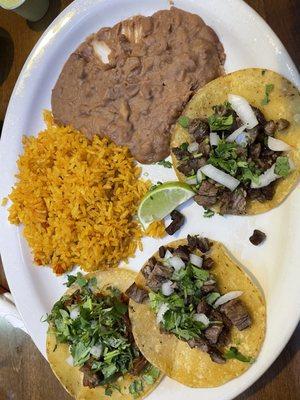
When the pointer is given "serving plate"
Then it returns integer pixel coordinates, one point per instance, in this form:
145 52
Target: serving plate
248 42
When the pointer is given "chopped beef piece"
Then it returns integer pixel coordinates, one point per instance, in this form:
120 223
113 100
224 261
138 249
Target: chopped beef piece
91 378
137 294
270 128
212 333
148 268
203 307
159 274
259 115
208 263
199 343
200 243
224 338
176 224
262 194
255 150
162 251
209 288
233 202
253 134
207 194
199 129
138 365
204 149
237 313
216 356
216 315
267 158
282 124
182 252
191 166
128 327
180 153
257 237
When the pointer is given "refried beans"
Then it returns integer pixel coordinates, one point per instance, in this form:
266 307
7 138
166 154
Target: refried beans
131 82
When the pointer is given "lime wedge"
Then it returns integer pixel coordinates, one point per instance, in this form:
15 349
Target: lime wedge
159 202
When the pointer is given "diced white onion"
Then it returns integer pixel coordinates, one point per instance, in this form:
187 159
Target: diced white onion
201 318
70 360
161 312
193 147
236 133
214 138
199 176
168 255
196 260
74 313
191 180
176 262
243 109
96 350
210 282
266 178
227 297
277 145
167 288
220 176
242 139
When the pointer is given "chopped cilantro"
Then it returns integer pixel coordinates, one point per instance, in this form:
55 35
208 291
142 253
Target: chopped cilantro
218 123
136 387
155 186
208 213
282 166
151 374
212 297
99 322
108 391
165 163
76 279
184 146
268 89
233 353
184 121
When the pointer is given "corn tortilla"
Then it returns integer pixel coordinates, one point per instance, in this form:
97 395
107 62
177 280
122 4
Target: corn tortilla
250 83
192 367
70 377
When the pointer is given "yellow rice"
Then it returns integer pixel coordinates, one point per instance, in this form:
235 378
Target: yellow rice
77 200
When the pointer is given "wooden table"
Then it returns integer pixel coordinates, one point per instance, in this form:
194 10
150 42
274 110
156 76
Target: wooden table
24 374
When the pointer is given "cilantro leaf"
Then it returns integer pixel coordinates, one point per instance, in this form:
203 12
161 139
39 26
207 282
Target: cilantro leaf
282 166
268 89
183 121
184 146
218 123
136 387
208 213
233 353
165 163
212 297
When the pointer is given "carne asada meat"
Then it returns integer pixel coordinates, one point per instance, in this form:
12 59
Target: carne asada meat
91 378
160 273
199 128
233 202
203 307
200 243
212 333
138 365
216 356
207 194
199 343
237 313
176 224
137 294
257 237
208 263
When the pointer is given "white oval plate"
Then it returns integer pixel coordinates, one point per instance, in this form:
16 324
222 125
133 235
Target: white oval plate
248 42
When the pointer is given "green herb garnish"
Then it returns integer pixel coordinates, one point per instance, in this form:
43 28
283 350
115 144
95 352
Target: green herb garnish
212 297
282 166
208 213
184 121
218 123
233 353
136 387
268 89
99 322
165 163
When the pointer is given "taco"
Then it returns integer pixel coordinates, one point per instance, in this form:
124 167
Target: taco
203 323
90 346
238 142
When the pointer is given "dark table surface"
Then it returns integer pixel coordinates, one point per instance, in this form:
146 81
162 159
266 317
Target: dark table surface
24 373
